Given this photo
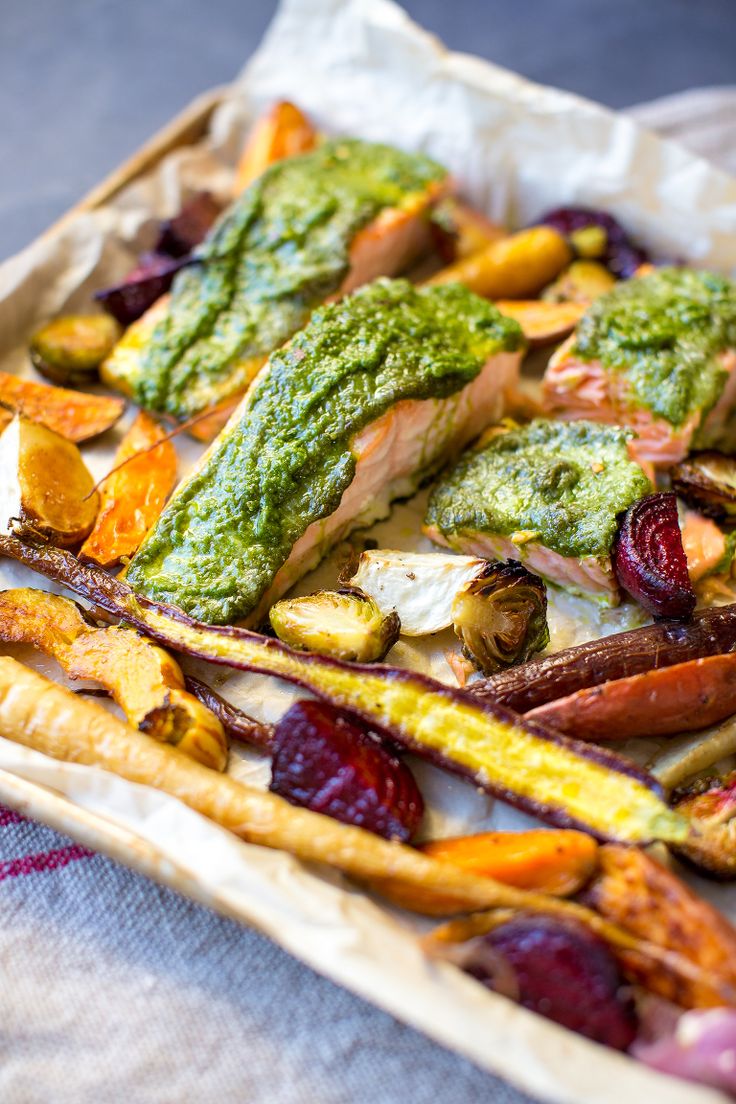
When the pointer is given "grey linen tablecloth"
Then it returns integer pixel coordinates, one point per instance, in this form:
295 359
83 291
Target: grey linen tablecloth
116 990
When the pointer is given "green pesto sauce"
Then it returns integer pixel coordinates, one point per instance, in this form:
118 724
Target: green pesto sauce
543 479
218 545
278 251
664 332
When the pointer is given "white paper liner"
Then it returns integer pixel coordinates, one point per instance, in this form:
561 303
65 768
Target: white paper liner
361 67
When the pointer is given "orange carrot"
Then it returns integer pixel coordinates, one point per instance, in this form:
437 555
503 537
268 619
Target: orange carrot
557 862
681 698
73 414
543 323
282 132
134 493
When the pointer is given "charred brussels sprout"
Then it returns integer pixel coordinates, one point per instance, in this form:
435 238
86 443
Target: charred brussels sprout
581 282
501 616
707 482
69 350
346 624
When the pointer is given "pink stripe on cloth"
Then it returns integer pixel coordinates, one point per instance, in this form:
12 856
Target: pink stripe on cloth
45 860
9 816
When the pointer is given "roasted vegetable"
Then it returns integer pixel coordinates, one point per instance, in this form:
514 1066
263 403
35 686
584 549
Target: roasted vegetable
150 279
580 283
419 586
46 487
77 417
643 897
347 624
693 754
597 234
558 968
69 350
501 616
649 559
511 268
543 323
144 680
558 862
711 632
711 806
679 698
179 235
133 494
700 1048
237 724
565 782
284 131
324 761
39 714
460 230
707 482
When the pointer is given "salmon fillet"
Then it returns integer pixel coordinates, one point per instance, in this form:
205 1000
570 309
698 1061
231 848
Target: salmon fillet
360 408
267 264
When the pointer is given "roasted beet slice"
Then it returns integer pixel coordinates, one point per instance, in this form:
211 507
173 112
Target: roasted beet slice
179 235
324 761
559 969
141 288
649 559
596 234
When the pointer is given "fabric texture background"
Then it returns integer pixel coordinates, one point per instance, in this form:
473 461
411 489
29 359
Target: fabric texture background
117 990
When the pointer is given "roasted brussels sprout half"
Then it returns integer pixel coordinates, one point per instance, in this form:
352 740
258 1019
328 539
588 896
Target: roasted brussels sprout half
69 350
501 616
346 624
707 482
581 282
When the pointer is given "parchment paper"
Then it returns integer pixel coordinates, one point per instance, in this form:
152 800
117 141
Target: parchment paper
361 67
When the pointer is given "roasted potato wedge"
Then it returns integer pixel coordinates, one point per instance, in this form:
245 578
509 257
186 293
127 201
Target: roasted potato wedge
516 267
46 487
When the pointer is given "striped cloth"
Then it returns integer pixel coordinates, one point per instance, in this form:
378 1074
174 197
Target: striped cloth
117 990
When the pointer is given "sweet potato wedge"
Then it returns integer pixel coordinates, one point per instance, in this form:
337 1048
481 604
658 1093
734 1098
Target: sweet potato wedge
516 267
143 679
680 698
46 488
558 863
711 632
641 896
282 132
74 415
39 714
543 323
133 495
567 783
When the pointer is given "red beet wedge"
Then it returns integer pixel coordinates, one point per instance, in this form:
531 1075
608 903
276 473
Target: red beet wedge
561 970
151 278
649 559
324 761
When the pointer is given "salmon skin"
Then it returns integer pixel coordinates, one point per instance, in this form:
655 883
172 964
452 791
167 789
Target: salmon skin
360 408
547 494
309 229
655 354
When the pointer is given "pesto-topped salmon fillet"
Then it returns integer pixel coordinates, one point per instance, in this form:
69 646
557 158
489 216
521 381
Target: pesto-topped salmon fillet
547 494
361 407
312 227
657 353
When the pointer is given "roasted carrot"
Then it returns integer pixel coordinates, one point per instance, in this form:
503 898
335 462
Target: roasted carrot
511 268
133 495
543 323
73 414
556 862
142 678
640 895
681 698
282 132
